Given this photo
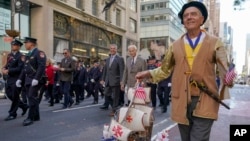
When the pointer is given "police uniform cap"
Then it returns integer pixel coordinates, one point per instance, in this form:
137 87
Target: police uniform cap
29 39
16 42
196 4
96 61
151 58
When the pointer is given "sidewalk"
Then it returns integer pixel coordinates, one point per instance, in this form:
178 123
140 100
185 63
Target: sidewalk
238 114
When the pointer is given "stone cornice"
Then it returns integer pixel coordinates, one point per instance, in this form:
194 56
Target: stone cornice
88 18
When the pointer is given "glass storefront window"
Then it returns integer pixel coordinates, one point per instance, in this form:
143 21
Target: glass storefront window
103 53
59 45
86 41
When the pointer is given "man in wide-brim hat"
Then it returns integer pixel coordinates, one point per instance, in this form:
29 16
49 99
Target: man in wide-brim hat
194 56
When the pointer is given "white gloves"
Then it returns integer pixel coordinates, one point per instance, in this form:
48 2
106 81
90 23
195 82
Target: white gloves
92 80
34 82
18 83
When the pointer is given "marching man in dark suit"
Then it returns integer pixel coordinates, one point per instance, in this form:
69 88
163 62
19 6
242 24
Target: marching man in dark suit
33 77
11 71
112 77
95 75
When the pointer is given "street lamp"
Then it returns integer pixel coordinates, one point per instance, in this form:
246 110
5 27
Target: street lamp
16 6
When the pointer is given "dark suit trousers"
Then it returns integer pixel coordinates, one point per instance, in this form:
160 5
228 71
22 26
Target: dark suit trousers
65 86
163 95
13 94
199 128
77 89
112 96
153 93
33 100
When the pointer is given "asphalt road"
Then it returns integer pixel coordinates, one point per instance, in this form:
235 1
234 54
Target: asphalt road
83 122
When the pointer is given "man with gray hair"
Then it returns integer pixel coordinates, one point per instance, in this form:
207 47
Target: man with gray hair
134 64
112 76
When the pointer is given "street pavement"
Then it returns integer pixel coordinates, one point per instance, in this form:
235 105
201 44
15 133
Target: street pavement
239 114
85 122
82 122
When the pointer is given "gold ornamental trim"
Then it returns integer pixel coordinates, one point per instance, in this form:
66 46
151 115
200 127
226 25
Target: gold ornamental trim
86 17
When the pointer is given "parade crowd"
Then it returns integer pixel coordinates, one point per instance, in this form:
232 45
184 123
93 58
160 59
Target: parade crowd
32 77
192 63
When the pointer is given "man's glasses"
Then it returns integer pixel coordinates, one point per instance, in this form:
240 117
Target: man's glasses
65 53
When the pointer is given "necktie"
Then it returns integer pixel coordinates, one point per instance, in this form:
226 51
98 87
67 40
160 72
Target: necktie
111 60
29 53
133 62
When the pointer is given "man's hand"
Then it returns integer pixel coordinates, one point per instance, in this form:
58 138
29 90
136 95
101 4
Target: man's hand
5 71
92 80
122 87
34 82
62 69
102 82
18 83
140 75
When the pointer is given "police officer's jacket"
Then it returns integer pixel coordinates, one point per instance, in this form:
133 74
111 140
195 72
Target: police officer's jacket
34 66
14 66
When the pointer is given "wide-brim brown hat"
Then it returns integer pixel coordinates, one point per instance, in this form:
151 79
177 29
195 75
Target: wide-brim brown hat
196 4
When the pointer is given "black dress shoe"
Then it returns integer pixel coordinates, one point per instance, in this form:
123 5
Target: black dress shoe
95 102
163 110
104 107
25 110
27 122
10 118
160 105
36 118
57 101
71 103
77 103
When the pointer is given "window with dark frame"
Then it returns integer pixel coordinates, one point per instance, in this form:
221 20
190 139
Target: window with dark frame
118 17
132 24
79 4
107 15
133 5
95 7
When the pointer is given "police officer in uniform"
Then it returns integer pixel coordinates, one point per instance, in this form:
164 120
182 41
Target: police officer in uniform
33 75
95 75
11 72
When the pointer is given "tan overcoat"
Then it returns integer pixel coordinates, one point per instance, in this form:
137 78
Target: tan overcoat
203 70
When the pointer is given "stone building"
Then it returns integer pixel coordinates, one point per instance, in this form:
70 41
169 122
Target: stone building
80 25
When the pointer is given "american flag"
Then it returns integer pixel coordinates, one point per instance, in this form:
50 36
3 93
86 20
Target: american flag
230 75
140 93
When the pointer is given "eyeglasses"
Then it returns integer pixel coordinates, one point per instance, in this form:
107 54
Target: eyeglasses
65 53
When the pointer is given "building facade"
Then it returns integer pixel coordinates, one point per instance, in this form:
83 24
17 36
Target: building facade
21 18
247 60
83 27
160 26
226 35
